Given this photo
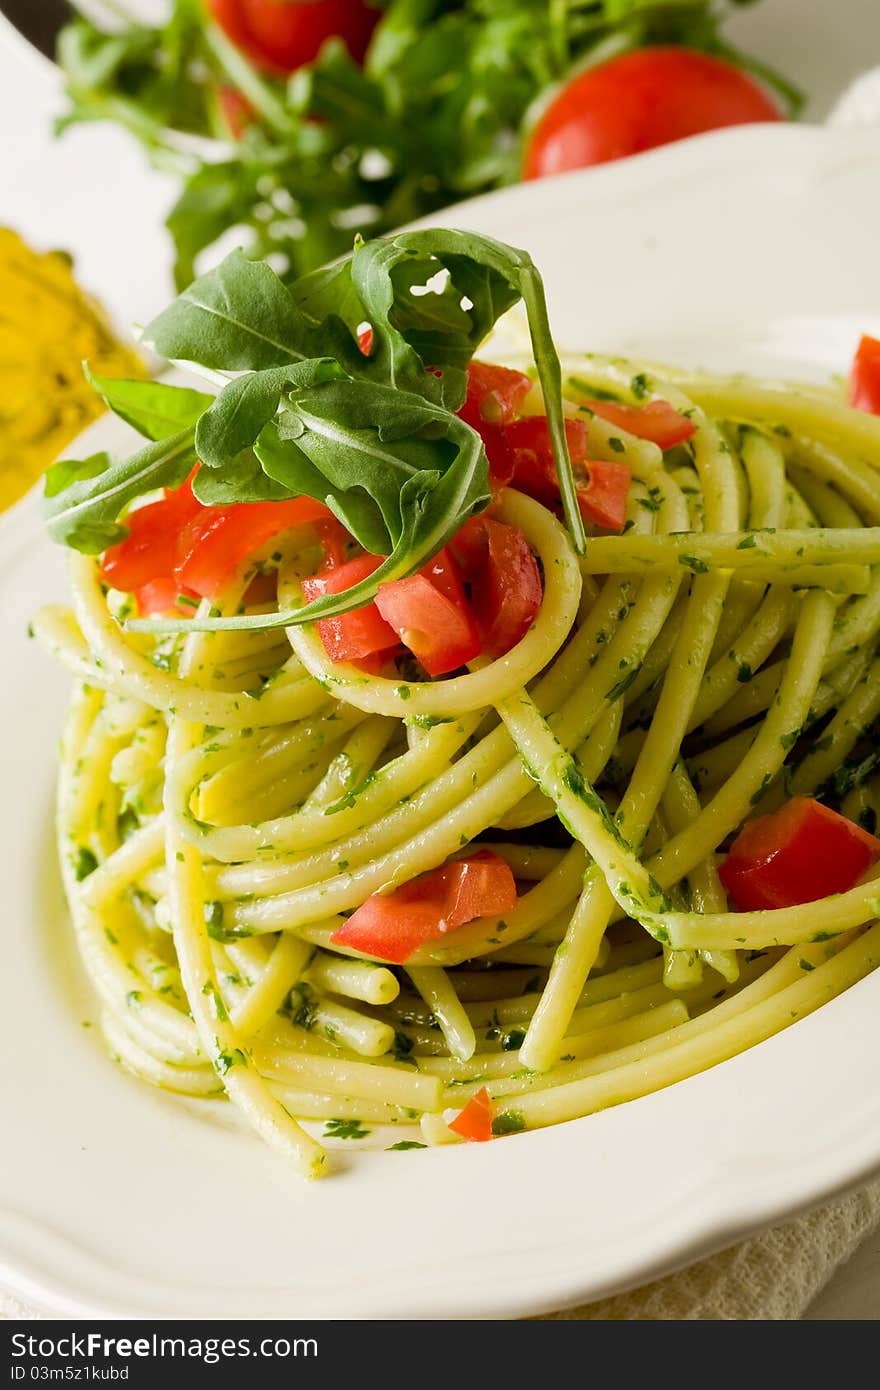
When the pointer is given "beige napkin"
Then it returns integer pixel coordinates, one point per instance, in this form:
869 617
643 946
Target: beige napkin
775 1275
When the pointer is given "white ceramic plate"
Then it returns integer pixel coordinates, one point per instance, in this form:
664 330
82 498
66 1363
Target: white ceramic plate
755 248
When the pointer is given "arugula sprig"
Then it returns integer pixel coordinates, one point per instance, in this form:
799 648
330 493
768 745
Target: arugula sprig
376 438
439 110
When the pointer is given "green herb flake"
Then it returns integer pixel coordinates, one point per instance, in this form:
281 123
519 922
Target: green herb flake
508 1122
345 1129
84 863
694 563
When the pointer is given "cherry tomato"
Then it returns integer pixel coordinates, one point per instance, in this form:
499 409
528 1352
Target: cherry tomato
283 35
639 100
801 852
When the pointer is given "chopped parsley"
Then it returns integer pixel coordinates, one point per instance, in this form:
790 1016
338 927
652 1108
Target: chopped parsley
345 1129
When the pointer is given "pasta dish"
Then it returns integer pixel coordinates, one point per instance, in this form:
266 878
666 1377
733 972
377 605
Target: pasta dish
460 746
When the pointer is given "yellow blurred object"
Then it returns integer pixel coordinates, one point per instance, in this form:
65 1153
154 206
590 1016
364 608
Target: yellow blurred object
48 327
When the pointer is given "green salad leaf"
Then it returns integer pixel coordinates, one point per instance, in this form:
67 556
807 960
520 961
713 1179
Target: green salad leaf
374 437
439 110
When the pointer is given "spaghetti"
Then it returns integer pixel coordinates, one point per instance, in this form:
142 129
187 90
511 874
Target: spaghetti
228 798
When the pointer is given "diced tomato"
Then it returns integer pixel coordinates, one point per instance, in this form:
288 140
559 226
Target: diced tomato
236 111
534 467
217 540
430 614
357 635
801 852
602 500
658 421
504 580
149 551
864 377
392 926
494 395
161 596
474 1122
365 341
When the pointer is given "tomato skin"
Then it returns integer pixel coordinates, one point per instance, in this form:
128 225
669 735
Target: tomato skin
149 551
602 499
531 453
505 583
365 340
801 852
392 926
658 421
430 614
639 100
235 110
864 377
218 540
494 395
354 636
161 596
283 35
474 1122
197 549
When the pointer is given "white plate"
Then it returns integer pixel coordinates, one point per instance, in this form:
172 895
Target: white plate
754 247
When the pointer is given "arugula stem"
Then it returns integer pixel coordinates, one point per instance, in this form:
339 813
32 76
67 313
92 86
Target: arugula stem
245 78
550 376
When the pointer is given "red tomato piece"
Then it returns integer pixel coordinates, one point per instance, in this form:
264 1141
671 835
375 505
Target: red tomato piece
430 614
602 500
149 551
534 467
641 99
474 1122
161 596
283 35
864 377
218 540
801 852
658 421
392 926
235 110
494 395
357 635
505 582
365 341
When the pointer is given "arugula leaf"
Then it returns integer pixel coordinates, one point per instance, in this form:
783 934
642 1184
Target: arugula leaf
402 474
374 438
240 317
234 419
488 276
84 498
153 408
